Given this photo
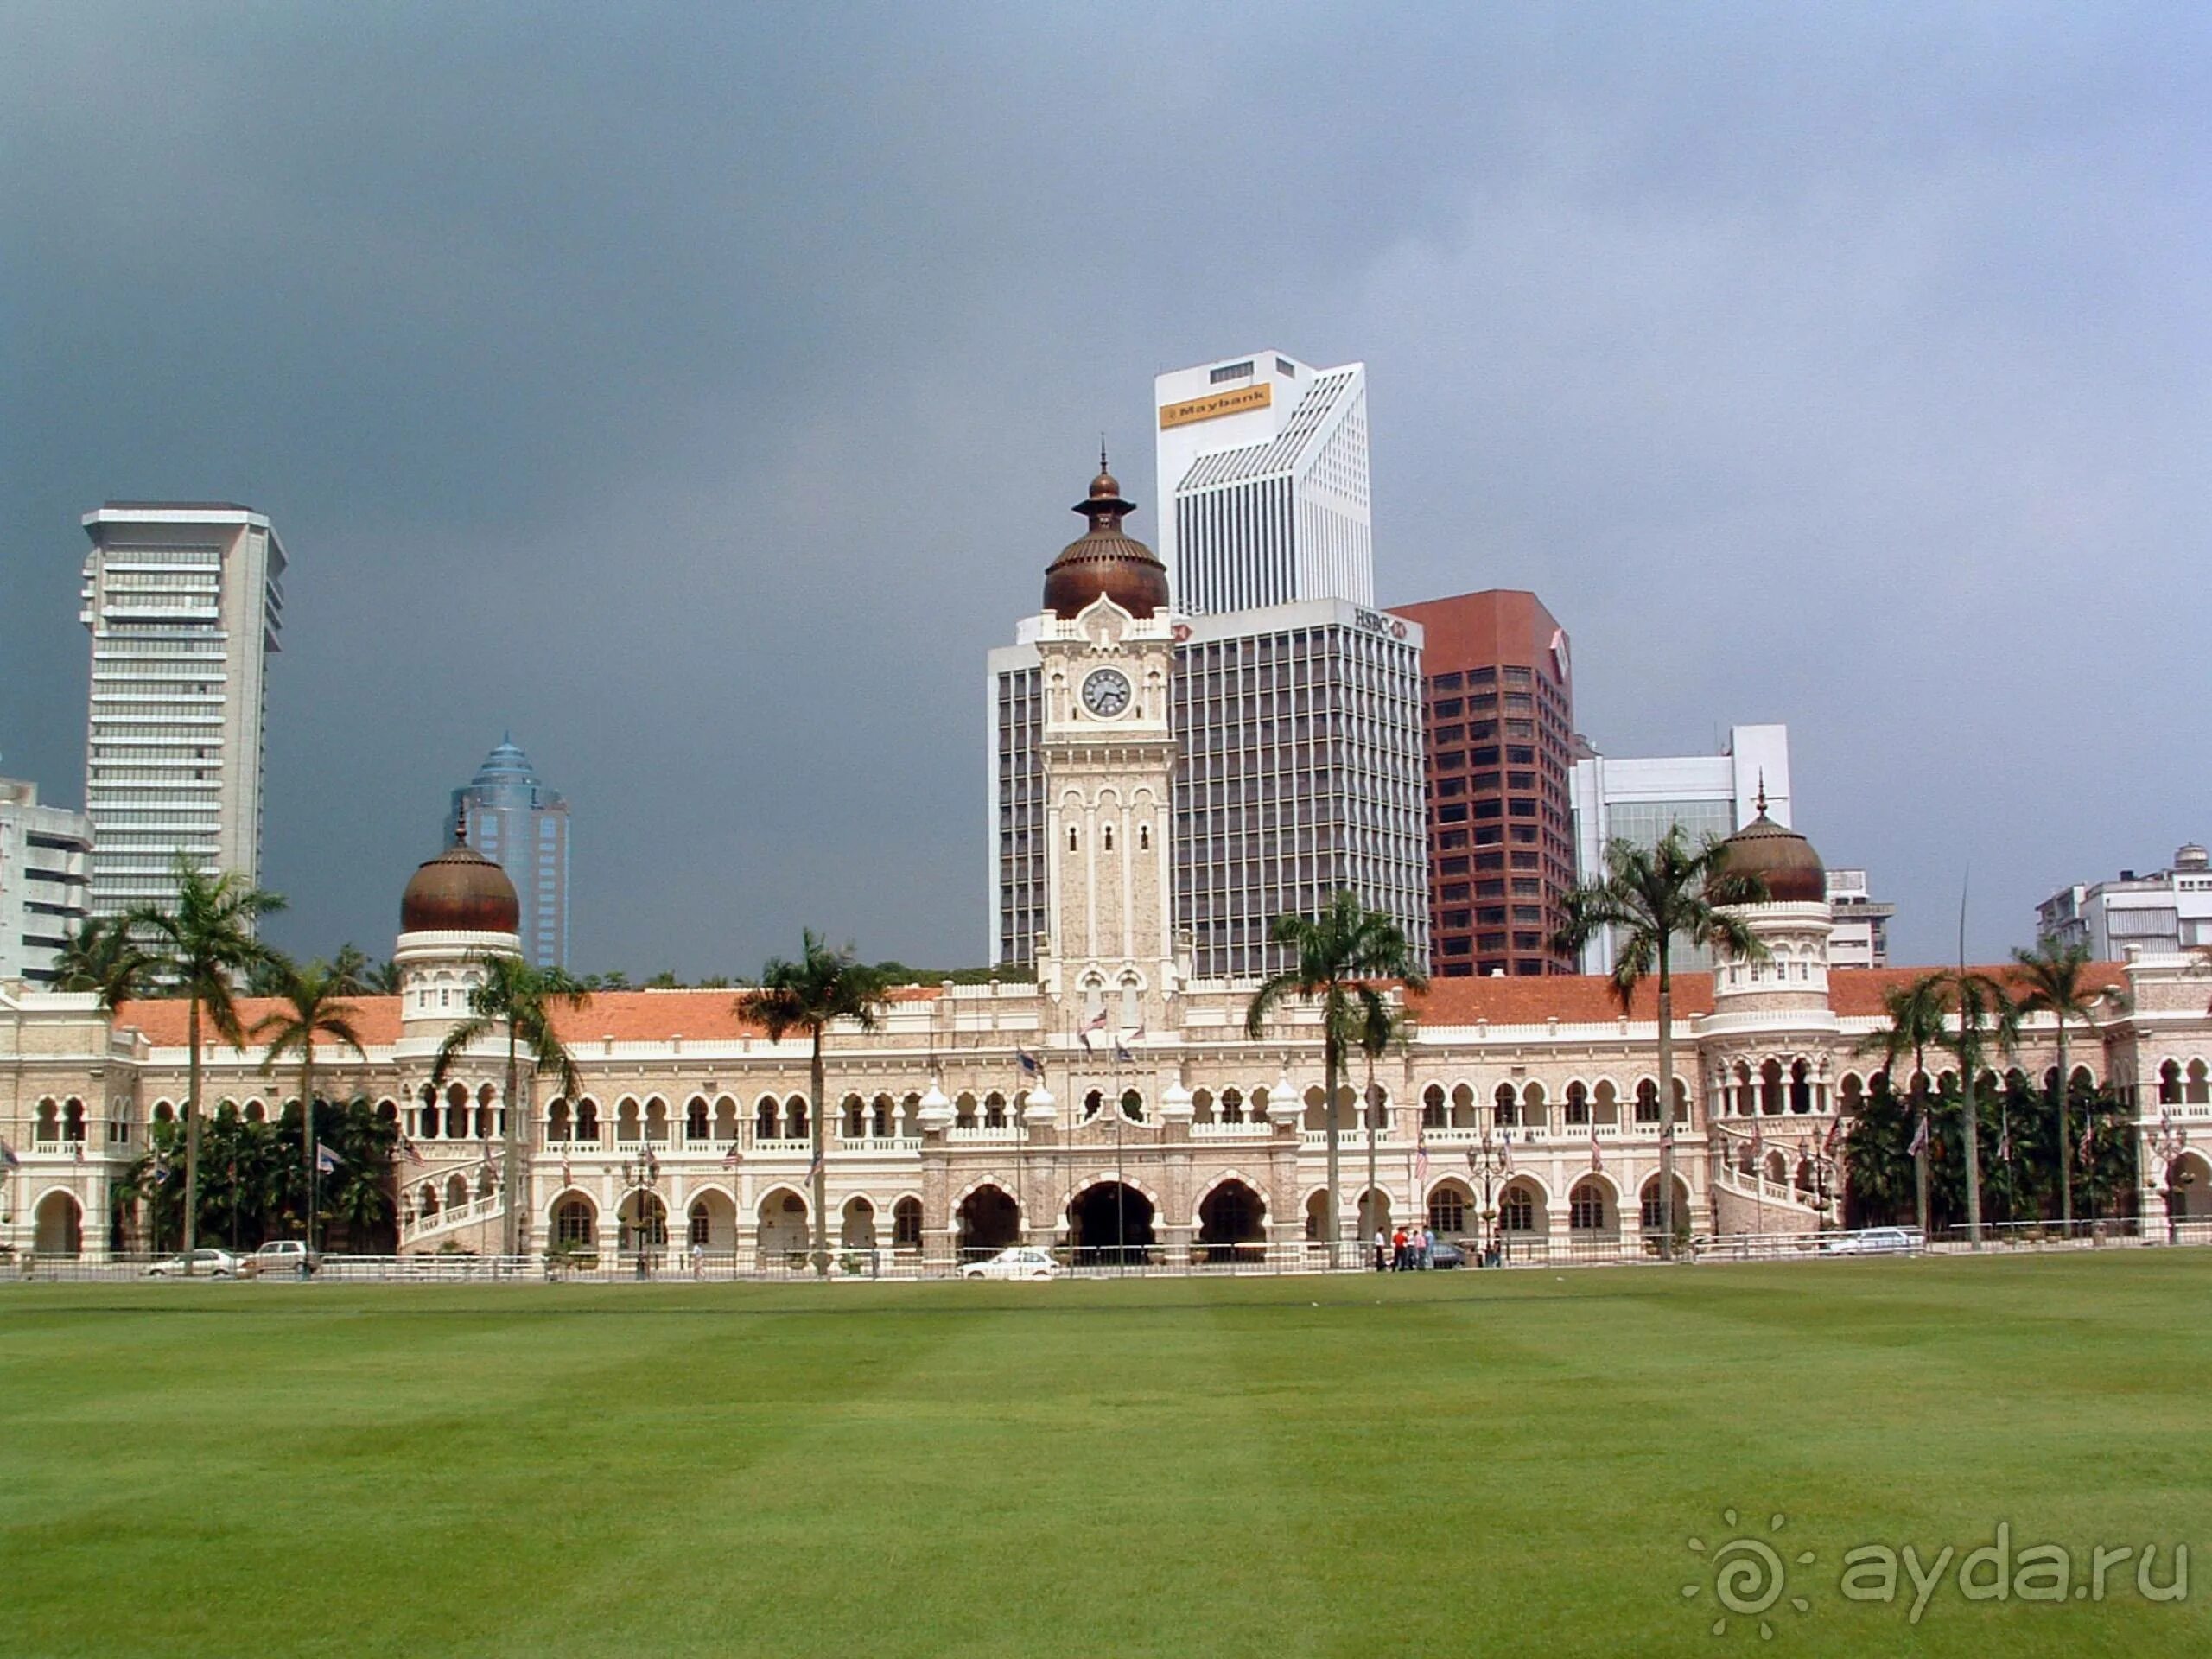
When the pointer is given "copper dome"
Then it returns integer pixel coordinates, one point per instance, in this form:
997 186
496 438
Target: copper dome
459 891
1105 561
1780 857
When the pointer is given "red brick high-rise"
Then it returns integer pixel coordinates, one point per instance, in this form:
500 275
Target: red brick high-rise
1499 708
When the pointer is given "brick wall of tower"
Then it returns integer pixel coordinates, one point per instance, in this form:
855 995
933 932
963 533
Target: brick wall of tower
1498 706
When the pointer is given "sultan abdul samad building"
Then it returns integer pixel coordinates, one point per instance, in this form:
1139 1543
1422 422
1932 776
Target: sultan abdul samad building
1119 1091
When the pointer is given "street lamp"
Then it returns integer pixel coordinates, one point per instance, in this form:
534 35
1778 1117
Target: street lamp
2170 1144
643 1174
1486 1162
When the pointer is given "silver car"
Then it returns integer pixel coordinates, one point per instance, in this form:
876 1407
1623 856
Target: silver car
196 1264
1873 1241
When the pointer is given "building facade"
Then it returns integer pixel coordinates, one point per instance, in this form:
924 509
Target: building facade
185 601
1261 461
45 870
1638 800
2166 911
507 813
1498 707
1297 774
1116 1103
1860 937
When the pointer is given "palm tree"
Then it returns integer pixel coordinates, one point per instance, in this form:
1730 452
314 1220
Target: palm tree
522 1000
806 994
1652 896
1916 1013
312 1009
2051 977
351 970
1374 1027
380 978
1987 1017
102 956
202 943
1341 955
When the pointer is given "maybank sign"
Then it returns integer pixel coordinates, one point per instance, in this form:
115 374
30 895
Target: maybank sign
1220 403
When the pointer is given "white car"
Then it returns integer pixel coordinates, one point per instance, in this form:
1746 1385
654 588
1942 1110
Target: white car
196 1264
278 1258
1873 1241
1020 1262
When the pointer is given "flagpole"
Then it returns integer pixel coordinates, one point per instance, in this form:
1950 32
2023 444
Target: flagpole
1969 1055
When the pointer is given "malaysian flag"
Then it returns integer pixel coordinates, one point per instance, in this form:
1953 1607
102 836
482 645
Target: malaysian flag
1028 1063
1919 1138
1508 1152
1420 1158
1597 1155
1122 1056
2088 1140
729 1157
326 1160
816 1167
7 1159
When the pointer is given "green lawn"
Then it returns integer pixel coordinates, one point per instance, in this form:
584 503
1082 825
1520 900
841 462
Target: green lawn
1506 1464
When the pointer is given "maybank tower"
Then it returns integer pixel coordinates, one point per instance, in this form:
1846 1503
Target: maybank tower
1263 461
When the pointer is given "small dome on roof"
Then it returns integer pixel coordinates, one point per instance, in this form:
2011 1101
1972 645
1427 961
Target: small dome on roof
1780 857
459 891
1106 559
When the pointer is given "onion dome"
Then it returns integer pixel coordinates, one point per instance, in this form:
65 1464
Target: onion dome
1780 857
1105 559
459 891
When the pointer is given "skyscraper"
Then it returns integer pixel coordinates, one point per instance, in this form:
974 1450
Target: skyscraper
185 601
1639 800
1262 464
1500 719
45 861
510 816
1297 773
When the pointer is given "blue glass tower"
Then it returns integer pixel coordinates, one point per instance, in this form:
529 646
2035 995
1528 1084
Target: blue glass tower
513 819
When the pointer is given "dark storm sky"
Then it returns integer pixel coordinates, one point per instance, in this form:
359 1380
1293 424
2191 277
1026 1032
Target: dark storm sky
699 391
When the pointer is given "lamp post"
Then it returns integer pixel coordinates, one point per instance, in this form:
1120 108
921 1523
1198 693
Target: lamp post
2170 1144
643 1174
1486 1162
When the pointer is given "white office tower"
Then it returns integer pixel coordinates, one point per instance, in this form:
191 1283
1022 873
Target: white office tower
1638 800
184 600
1298 774
1263 462
45 858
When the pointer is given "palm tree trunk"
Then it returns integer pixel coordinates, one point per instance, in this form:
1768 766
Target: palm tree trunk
1329 1075
820 1174
1973 1146
192 1137
2065 1143
1666 1108
307 1140
1363 1229
510 1159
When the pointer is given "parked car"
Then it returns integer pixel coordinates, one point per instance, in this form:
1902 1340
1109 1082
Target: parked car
1444 1254
1873 1241
196 1264
280 1258
1019 1261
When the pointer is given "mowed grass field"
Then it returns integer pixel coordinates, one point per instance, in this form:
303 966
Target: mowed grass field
1446 1463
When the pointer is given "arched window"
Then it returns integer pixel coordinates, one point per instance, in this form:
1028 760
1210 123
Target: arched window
1447 1211
2198 1091
1506 1110
695 1119
1144 837
763 1119
702 1222
906 1224
1585 1207
1800 1087
1074 843
1435 1114
1133 1105
2170 1083
572 1221
1646 1100
1106 838
1517 1210
1232 1106
1578 1105
994 1110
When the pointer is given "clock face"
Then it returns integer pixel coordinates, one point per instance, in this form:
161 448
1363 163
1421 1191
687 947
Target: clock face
1106 693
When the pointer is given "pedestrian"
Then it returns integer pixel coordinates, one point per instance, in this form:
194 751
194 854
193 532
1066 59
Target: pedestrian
1382 1251
1398 1250
1420 1247
698 1260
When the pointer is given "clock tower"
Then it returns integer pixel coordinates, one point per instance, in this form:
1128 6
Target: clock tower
1107 649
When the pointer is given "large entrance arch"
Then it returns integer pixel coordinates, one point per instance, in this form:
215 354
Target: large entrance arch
58 1226
1110 1222
990 1220
1232 1223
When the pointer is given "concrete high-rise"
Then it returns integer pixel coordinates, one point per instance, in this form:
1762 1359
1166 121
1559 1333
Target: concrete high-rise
44 862
1498 705
1262 463
185 601
508 814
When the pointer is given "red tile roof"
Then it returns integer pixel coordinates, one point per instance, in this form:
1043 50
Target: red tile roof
164 1019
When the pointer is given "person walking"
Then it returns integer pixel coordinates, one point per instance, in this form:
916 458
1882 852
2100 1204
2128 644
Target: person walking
1398 1250
1420 1247
1382 1251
